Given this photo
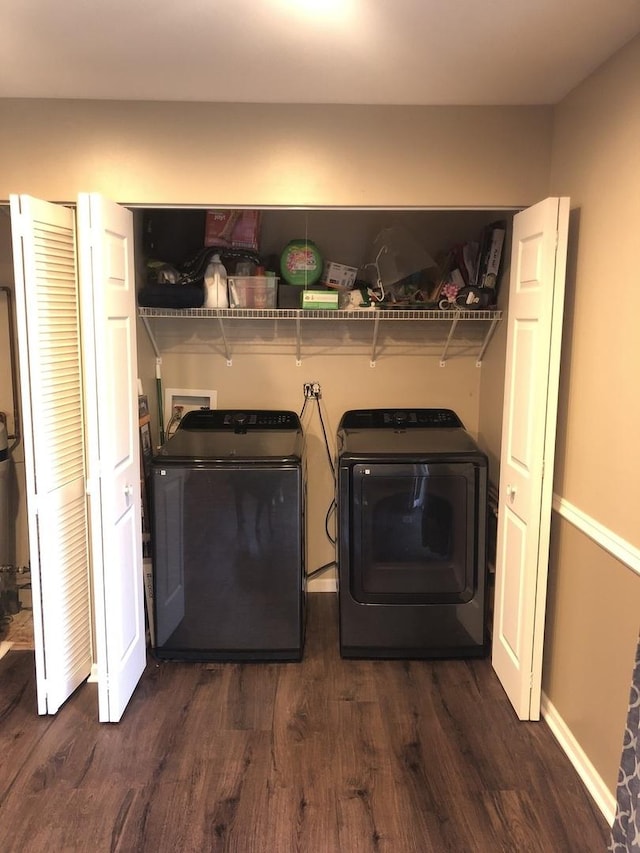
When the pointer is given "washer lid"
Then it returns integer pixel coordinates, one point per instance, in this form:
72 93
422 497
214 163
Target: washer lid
230 436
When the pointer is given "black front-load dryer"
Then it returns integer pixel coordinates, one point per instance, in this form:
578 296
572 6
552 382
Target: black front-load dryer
227 497
412 507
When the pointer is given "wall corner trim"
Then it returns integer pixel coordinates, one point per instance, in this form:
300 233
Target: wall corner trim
592 780
601 535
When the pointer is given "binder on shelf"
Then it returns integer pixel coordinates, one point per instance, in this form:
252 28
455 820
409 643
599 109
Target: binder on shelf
490 255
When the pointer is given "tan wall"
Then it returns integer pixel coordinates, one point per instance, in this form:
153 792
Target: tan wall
594 602
596 160
202 154
143 153
239 155
590 640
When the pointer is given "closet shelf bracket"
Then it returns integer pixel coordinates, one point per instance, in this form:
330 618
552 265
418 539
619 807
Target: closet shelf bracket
150 335
225 342
443 357
374 342
487 339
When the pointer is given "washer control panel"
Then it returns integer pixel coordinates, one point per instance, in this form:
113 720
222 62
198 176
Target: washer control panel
239 419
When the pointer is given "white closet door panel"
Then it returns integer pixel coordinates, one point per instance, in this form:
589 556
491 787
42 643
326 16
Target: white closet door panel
109 347
528 443
47 309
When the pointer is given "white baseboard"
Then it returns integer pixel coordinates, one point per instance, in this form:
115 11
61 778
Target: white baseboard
601 795
322 585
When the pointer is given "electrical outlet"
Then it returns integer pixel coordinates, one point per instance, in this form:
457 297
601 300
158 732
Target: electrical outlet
312 390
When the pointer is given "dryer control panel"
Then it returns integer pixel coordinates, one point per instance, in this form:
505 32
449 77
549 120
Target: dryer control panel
400 419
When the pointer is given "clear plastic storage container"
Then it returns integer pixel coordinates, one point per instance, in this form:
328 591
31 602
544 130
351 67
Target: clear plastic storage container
256 291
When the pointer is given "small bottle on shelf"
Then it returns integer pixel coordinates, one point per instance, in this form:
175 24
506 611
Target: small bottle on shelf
215 284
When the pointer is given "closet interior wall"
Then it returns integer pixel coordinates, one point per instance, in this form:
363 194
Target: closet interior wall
407 372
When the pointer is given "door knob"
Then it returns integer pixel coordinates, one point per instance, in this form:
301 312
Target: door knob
511 492
128 490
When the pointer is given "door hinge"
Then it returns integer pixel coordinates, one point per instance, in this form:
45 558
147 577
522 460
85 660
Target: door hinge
19 224
92 485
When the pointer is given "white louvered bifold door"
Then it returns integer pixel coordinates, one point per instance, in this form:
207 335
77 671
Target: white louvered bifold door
44 248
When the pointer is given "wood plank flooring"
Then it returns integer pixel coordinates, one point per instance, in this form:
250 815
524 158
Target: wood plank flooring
323 756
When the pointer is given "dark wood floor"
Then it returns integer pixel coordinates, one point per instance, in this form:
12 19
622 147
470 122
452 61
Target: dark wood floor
323 756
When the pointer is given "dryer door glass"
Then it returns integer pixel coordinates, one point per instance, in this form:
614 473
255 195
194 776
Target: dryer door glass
414 533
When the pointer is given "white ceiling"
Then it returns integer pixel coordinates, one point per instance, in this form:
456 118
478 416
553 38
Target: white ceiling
309 51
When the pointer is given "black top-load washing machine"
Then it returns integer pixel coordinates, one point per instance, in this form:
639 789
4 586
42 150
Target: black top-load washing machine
227 507
412 515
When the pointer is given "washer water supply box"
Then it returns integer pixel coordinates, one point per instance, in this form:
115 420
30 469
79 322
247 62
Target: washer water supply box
257 291
320 299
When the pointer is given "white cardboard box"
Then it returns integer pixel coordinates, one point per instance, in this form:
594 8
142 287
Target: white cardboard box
338 275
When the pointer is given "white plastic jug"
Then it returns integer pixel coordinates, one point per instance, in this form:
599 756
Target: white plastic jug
215 284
